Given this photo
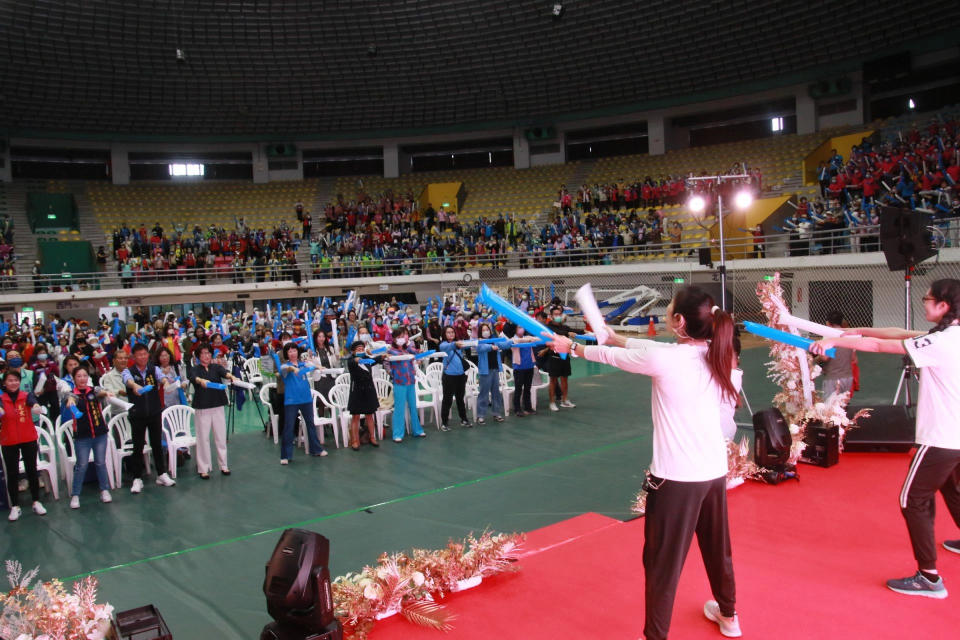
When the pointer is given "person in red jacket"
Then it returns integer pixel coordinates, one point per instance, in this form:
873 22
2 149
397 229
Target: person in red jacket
18 438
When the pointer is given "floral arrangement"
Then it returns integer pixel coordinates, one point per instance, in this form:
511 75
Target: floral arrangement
798 399
412 584
47 611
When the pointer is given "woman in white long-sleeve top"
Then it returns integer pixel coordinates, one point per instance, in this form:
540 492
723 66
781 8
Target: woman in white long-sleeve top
686 487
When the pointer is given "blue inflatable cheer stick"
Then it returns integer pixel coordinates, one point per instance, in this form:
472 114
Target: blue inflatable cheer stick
776 335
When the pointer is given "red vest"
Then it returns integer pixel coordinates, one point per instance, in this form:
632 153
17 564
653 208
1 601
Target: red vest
16 426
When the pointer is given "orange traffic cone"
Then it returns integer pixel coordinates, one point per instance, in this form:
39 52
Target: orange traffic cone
652 330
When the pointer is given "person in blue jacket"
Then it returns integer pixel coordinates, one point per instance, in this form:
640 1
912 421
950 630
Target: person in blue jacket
490 366
454 379
297 399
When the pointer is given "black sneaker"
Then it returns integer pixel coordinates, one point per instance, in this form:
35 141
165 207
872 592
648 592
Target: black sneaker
444 427
918 585
952 545
465 423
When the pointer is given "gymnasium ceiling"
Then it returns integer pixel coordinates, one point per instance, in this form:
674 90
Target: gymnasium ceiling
292 67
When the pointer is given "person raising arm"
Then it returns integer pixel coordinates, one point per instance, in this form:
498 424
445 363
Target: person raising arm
936 463
686 487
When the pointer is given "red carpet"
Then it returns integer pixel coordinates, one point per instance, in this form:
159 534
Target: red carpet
811 559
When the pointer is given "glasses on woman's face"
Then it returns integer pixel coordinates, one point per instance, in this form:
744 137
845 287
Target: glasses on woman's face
928 299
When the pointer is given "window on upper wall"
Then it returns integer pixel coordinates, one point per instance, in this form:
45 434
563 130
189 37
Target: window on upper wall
186 170
776 124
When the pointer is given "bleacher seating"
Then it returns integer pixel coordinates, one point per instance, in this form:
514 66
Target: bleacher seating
525 193
200 203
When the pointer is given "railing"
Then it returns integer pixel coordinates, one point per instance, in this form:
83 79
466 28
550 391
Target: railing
856 240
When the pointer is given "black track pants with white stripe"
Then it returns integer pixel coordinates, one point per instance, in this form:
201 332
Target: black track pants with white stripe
932 469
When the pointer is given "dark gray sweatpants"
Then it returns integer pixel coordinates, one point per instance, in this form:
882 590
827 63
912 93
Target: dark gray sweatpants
675 512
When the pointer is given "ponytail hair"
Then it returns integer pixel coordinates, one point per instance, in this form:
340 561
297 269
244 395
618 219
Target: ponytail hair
946 290
705 321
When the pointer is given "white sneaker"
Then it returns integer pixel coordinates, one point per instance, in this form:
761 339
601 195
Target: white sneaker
165 480
567 404
137 486
74 502
729 627
38 509
284 461
554 407
14 514
105 497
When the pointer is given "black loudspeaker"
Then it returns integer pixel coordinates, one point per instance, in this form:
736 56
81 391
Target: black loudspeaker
297 581
705 259
888 429
823 445
274 631
904 237
296 276
772 439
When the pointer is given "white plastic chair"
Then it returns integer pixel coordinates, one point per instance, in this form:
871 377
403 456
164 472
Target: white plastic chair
343 378
339 397
178 426
67 455
379 372
121 445
541 380
434 366
385 397
507 388
429 395
252 367
320 420
472 392
46 456
265 401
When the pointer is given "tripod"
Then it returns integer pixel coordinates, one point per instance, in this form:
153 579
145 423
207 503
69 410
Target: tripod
908 372
254 400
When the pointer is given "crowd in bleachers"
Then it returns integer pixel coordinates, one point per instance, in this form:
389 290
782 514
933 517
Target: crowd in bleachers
391 235
8 270
243 253
110 384
919 170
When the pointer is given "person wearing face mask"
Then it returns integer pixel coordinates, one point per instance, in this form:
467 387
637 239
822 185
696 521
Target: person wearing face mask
523 364
403 374
15 363
454 378
559 368
381 331
89 434
44 369
488 377
18 440
363 399
686 484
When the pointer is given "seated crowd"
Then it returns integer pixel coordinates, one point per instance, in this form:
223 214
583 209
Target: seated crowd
919 170
82 376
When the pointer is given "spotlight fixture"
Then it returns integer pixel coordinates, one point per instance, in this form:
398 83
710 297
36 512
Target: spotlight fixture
696 204
181 55
743 199
557 10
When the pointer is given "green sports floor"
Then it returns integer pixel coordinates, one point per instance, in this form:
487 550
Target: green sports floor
197 551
